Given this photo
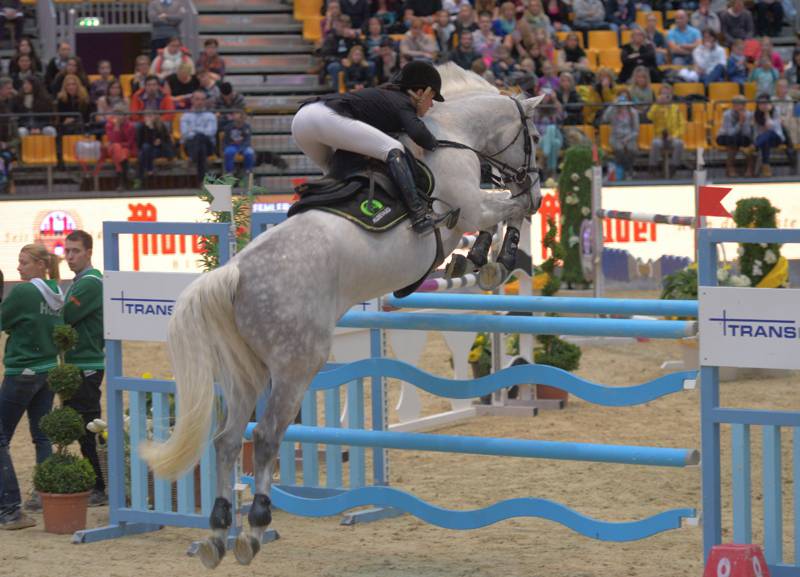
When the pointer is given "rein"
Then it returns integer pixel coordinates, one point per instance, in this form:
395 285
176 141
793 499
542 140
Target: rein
508 174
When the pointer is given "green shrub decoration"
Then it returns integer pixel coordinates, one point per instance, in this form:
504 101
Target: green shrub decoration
680 285
65 337
209 245
756 260
64 474
575 196
62 426
480 355
64 380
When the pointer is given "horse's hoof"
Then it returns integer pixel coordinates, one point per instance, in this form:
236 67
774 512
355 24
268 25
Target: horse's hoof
491 276
211 552
245 548
457 267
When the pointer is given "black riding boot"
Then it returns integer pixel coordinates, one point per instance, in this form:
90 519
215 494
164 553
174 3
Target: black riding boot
403 178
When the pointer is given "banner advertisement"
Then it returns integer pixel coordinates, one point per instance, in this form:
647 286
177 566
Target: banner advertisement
49 221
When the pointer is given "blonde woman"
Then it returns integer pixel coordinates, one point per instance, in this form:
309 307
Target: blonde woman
73 106
28 315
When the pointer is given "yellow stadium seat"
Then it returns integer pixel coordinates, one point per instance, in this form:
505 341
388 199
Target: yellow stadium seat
602 39
695 136
312 28
605 138
641 19
645 136
688 88
610 58
307 8
722 90
671 15
699 112
562 37
68 142
39 150
125 80
624 37
750 89
588 130
591 58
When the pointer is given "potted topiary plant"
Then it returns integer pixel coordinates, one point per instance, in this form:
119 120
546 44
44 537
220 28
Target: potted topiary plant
64 480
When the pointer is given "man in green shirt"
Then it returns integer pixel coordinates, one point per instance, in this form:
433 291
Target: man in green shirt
83 309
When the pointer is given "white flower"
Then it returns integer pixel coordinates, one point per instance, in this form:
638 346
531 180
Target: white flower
572 199
722 275
770 257
576 189
586 211
757 270
573 241
739 281
740 250
574 176
588 173
757 263
763 245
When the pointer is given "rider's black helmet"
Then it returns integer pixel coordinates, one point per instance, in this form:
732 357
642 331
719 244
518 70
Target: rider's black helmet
418 75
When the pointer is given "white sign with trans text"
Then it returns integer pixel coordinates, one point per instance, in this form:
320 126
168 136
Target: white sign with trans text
750 327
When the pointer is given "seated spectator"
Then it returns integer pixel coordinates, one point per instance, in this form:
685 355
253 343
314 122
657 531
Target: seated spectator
604 89
682 39
210 87
589 15
100 86
141 70
120 144
485 41
768 50
25 47
767 131
74 67
169 58
210 60
490 6
656 38
442 31
523 44
112 98
199 133
465 54
153 140
453 6
333 11
769 17
736 133
33 109
229 100
372 42
736 23
705 19
73 99
764 75
180 85
23 70
736 67
572 59
526 78
504 67
544 41
506 22
11 11
548 117
388 63
57 64
622 13
357 71
549 78
237 141
638 52
535 16
416 45
479 67
624 121
390 14
466 21
569 99
336 46
793 73
558 13
709 60
152 97
668 128
642 92
784 106
357 10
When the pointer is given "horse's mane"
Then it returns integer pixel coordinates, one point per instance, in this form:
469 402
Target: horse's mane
456 81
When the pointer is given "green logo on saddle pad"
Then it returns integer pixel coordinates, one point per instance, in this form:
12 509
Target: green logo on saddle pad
371 207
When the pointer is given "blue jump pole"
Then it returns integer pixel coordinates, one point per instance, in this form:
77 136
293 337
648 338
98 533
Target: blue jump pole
523 304
534 449
510 324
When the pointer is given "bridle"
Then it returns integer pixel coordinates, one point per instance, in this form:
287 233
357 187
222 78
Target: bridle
509 174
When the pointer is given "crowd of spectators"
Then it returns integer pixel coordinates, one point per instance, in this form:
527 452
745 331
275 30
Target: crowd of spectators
168 103
544 47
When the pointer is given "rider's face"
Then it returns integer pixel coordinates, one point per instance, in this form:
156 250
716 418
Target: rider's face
425 102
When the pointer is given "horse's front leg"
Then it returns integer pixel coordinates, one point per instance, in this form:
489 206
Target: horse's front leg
508 251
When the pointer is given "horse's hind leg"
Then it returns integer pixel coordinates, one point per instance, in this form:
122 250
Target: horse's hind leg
289 383
227 447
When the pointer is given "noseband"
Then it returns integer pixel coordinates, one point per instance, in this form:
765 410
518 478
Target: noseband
508 174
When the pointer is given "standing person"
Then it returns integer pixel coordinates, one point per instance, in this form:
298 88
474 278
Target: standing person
361 121
668 128
83 310
28 315
165 17
199 132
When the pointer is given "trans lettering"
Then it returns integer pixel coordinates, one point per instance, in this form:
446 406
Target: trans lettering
769 332
148 309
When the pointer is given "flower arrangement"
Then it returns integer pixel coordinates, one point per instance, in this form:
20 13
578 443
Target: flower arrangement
242 204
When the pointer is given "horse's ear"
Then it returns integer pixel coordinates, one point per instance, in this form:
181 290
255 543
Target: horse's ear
530 103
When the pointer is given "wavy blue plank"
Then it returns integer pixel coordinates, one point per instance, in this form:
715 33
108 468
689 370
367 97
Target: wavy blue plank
516 375
477 518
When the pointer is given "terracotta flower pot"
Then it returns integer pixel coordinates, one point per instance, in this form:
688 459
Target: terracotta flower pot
548 392
64 513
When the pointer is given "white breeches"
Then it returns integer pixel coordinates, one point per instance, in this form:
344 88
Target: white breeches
319 131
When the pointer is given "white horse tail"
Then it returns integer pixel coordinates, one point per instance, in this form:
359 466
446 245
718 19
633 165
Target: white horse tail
204 342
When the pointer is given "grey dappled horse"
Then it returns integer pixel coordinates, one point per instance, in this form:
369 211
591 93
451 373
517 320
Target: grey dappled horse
267 317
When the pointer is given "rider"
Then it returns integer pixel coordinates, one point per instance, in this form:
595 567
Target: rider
360 121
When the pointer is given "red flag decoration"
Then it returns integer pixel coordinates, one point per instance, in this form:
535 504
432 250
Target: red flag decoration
711 201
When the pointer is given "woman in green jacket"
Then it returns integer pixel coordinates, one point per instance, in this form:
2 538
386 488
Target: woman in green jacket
29 314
